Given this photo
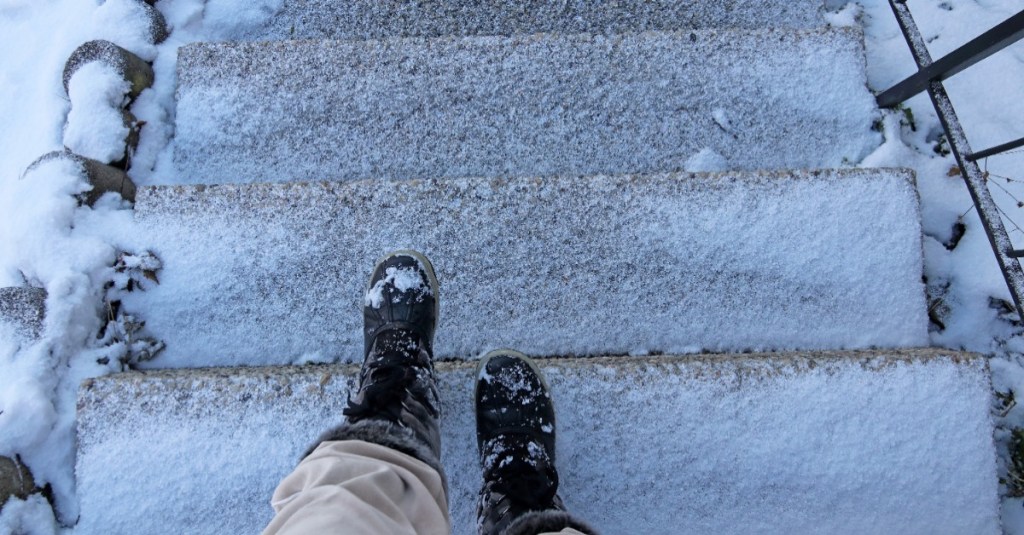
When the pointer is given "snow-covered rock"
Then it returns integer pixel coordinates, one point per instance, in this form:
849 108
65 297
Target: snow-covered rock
22 311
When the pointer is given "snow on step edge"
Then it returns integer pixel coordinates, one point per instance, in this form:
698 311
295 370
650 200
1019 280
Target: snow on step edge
374 19
520 106
275 273
863 442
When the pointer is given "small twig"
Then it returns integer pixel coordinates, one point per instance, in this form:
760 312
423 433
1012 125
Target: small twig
1012 196
1007 216
1008 179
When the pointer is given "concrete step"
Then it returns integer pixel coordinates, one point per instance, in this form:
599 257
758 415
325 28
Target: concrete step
275 273
375 19
866 442
534 105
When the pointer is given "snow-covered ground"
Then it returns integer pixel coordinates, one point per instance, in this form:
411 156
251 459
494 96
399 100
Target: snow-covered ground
46 240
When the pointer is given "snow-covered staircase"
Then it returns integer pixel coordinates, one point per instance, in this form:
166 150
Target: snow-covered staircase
546 176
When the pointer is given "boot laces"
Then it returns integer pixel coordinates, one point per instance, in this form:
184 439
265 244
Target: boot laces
387 381
521 477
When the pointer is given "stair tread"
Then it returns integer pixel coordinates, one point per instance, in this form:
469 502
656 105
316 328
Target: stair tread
374 19
533 105
275 273
866 442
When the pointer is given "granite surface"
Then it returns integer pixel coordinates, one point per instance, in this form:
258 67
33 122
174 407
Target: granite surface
376 19
263 274
848 442
535 105
23 310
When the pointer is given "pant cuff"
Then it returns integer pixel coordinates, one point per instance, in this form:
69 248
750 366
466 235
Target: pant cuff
384 433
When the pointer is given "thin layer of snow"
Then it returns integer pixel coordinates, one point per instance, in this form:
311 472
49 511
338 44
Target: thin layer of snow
778 444
372 19
719 262
721 117
535 105
22 309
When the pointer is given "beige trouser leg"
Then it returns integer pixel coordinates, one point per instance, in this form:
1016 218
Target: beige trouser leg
357 487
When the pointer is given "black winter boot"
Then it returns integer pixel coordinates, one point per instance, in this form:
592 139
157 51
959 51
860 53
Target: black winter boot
515 429
397 404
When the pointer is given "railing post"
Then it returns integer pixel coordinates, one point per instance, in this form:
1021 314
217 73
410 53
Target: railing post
981 154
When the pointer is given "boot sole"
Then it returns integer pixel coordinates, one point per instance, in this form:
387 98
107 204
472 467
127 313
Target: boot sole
427 267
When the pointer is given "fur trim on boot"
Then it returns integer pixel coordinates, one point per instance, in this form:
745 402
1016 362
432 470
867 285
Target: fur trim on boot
386 434
553 520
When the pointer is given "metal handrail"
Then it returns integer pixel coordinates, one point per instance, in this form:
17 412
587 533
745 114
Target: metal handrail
932 78
996 150
999 37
